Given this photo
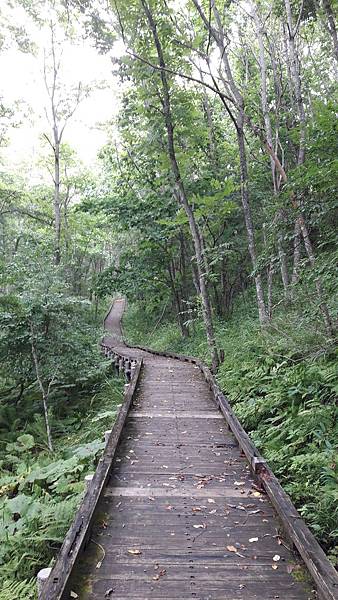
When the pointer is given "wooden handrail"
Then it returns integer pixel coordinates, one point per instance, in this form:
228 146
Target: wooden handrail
323 573
78 535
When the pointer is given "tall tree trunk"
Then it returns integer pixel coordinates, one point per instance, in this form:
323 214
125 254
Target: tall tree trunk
295 73
263 317
220 39
57 201
181 193
44 390
332 29
269 137
296 255
297 86
177 302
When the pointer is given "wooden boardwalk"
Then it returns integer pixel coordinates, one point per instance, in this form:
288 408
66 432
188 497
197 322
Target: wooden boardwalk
181 516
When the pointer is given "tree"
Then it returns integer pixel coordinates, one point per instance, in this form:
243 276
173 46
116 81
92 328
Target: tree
62 106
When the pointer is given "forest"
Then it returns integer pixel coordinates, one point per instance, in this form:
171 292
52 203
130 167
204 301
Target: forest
209 202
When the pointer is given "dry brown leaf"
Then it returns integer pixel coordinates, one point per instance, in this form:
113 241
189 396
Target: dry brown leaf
232 549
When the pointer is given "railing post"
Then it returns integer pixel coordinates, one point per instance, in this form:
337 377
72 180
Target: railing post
41 577
106 435
88 480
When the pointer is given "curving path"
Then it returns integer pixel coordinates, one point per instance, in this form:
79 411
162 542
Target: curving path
181 517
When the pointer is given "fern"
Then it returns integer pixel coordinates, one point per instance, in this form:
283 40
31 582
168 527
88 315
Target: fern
15 590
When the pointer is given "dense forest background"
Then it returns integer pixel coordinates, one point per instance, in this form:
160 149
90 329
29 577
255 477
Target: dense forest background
211 208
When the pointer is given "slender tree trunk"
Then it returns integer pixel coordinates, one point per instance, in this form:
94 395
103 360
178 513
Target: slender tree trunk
269 137
44 391
177 302
263 317
181 193
295 73
57 202
296 254
219 37
295 76
332 29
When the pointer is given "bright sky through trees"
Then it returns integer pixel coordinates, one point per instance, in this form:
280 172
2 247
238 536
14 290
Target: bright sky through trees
23 86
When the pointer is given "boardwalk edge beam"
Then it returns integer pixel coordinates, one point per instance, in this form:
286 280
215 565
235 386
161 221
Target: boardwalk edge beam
78 534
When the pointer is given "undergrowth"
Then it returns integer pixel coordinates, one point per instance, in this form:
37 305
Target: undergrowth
40 491
282 385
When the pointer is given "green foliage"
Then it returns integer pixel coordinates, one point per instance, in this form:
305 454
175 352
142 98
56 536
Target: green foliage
40 492
11 590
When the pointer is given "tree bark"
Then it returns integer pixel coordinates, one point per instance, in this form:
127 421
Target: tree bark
263 317
302 226
181 193
43 389
332 28
219 37
177 302
268 132
57 202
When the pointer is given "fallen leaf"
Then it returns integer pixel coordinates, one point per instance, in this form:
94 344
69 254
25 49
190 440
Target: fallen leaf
274 567
232 549
160 574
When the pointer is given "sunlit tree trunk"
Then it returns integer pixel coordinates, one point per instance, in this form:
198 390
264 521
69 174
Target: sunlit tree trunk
331 26
268 131
181 193
219 37
295 74
45 390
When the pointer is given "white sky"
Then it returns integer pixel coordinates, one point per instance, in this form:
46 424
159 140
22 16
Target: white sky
21 78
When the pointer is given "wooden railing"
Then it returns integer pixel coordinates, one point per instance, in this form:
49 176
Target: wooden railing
322 571
120 362
53 584
320 568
